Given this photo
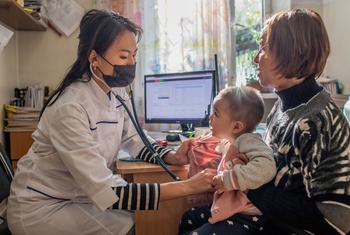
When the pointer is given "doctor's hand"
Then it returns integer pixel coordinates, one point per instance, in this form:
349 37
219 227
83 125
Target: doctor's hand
199 183
180 156
218 183
202 181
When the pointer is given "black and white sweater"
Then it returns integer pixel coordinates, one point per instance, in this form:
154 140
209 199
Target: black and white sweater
310 138
311 142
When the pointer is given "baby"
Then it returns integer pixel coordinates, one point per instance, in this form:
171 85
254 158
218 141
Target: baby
245 161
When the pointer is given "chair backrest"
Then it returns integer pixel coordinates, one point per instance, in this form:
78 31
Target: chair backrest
6 174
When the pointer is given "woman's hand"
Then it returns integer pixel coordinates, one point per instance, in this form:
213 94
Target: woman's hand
201 182
180 157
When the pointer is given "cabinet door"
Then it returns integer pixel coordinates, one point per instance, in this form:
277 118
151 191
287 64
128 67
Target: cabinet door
20 143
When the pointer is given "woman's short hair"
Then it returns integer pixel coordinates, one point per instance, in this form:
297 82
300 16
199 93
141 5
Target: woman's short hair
244 104
298 42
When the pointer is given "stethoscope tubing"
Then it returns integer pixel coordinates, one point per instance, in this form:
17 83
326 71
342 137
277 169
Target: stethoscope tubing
143 136
138 127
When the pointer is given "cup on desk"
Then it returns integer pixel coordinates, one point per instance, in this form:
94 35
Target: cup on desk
200 131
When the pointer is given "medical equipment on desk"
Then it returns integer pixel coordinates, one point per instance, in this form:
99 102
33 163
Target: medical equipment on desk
142 134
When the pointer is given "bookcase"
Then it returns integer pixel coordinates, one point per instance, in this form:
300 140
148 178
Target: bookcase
20 123
14 16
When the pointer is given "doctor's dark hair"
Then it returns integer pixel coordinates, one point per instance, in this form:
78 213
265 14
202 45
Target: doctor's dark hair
98 30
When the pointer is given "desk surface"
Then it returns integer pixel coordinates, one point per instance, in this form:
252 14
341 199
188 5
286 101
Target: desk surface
143 167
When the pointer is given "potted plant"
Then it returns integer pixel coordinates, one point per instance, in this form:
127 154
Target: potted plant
246 61
253 82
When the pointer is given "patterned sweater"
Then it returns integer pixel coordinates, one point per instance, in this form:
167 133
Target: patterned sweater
311 143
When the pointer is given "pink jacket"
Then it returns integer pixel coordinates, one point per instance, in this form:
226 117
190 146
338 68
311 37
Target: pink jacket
202 155
228 203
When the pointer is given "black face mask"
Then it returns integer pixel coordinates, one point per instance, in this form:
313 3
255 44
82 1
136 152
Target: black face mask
123 75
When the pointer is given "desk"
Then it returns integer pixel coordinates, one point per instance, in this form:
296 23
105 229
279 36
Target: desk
166 219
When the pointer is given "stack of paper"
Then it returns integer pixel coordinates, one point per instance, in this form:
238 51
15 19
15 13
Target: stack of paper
21 118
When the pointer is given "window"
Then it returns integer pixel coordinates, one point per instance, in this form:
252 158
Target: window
248 22
184 35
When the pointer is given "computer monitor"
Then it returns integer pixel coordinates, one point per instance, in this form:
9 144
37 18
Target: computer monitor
179 97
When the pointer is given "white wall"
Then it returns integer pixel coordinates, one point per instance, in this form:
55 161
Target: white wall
8 76
336 15
278 5
44 56
315 5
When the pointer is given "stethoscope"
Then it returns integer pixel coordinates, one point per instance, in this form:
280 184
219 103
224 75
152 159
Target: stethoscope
137 126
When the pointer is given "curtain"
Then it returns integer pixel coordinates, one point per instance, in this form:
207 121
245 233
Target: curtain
179 36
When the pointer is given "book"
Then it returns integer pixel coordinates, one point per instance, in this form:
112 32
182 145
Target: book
21 118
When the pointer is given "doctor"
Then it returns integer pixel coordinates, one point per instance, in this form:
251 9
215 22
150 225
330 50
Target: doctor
65 184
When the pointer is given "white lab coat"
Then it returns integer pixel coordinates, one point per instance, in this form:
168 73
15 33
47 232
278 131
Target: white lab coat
63 184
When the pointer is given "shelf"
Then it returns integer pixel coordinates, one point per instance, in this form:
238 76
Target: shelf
13 15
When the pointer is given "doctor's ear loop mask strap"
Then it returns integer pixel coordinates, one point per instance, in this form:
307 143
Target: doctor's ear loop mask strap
93 68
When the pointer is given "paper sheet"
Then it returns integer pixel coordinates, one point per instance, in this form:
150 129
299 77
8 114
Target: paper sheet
65 15
5 36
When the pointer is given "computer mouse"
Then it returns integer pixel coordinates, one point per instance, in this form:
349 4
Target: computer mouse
173 137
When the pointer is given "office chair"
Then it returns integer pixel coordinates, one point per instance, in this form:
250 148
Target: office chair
6 176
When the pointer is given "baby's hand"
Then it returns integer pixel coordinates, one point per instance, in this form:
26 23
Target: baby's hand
182 152
180 156
218 183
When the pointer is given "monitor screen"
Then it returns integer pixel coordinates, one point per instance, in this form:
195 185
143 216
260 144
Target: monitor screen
179 97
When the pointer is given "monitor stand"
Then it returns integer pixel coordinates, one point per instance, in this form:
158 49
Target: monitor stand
187 127
187 130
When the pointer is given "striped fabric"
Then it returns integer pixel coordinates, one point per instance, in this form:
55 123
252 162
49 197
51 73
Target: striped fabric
147 155
312 147
137 196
